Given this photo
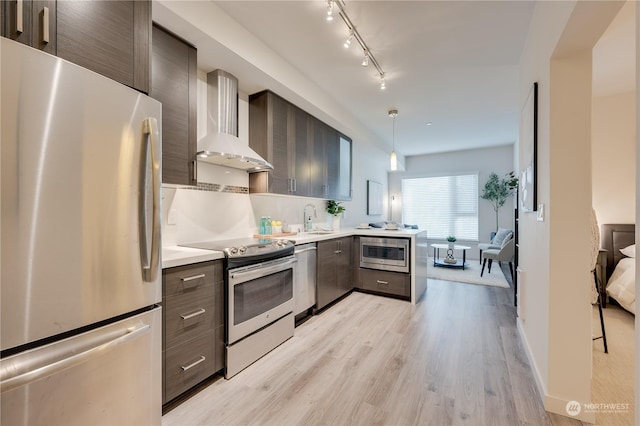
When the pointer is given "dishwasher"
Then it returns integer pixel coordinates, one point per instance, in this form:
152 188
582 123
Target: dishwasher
304 287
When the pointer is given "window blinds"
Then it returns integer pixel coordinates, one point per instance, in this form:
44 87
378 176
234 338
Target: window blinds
443 205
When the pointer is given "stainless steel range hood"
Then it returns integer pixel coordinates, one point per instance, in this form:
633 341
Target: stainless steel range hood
221 145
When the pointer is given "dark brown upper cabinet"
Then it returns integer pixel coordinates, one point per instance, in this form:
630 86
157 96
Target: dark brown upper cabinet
174 83
112 38
305 152
31 22
278 132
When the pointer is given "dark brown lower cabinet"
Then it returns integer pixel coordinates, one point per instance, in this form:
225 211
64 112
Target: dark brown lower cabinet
385 282
334 276
193 326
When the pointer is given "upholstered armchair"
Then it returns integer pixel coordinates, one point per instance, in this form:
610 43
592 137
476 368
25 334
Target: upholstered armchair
504 254
496 242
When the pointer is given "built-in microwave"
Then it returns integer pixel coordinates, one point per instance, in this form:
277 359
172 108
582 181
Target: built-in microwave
387 254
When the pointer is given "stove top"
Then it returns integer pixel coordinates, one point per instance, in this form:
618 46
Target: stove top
245 247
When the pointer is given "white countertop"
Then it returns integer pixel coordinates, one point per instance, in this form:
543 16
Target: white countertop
310 237
177 255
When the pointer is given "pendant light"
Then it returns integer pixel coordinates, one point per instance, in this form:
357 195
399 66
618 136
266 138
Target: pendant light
393 158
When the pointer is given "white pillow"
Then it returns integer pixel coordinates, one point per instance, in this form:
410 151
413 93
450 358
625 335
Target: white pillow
507 239
629 251
500 236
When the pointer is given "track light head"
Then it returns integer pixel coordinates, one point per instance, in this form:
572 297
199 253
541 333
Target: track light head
330 10
365 59
347 42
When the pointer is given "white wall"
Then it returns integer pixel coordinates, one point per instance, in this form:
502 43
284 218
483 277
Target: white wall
613 157
482 161
554 253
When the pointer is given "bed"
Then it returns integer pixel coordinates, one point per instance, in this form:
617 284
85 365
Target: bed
619 241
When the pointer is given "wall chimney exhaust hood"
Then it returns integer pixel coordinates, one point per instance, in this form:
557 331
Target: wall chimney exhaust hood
221 145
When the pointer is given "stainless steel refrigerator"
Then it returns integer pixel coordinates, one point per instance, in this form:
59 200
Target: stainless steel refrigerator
80 246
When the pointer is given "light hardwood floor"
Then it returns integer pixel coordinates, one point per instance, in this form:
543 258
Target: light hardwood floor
453 359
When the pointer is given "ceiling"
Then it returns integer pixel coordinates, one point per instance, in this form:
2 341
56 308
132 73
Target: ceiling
453 64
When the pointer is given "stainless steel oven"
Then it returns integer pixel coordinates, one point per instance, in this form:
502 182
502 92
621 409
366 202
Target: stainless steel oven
259 278
258 295
387 254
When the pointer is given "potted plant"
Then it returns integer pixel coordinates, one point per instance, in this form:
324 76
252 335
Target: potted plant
335 209
451 239
497 191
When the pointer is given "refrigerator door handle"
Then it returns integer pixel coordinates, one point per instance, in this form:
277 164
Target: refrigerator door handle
11 381
150 256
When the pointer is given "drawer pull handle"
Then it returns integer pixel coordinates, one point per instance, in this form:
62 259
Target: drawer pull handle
193 315
191 282
338 251
193 364
380 282
195 277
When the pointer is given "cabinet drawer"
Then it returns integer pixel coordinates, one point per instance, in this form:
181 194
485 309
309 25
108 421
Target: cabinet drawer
394 283
188 364
190 278
188 316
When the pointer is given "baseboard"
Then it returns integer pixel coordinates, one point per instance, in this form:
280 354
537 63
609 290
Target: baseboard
551 403
542 390
560 406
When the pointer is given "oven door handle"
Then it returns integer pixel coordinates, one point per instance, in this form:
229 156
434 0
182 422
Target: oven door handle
261 270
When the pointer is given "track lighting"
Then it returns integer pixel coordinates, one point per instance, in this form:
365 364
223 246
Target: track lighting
347 42
330 10
365 60
393 158
353 33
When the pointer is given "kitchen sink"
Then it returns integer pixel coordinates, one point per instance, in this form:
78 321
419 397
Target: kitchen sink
319 232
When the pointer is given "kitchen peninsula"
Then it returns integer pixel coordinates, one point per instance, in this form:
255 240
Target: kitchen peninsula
418 251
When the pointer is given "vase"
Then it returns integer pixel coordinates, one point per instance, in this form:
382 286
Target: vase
336 223
451 245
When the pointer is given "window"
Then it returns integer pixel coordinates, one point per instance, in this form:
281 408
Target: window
443 205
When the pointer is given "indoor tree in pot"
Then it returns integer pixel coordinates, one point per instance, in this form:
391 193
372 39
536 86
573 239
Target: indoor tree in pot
497 190
335 209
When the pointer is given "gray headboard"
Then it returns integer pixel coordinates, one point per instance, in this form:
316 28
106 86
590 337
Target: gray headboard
613 237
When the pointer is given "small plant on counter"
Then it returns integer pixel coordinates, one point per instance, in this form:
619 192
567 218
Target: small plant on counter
451 239
335 208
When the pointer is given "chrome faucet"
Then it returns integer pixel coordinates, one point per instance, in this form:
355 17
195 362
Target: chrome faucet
307 223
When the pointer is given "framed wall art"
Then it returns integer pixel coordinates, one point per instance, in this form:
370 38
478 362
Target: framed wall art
374 198
528 185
